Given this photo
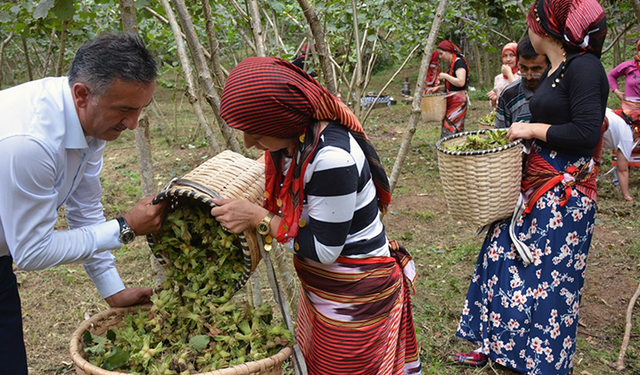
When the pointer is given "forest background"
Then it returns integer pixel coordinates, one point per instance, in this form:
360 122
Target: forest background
357 48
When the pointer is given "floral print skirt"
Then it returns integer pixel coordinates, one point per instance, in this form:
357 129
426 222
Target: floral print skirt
526 318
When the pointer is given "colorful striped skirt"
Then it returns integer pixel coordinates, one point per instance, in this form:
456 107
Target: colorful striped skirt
456 112
355 316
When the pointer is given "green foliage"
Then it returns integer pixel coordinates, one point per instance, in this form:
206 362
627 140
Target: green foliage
193 325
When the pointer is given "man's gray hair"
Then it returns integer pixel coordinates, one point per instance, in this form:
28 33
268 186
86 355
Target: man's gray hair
112 56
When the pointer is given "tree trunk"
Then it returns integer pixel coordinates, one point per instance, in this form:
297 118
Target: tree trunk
2 45
204 75
478 65
417 95
256 28
27 60
322 51
636 8
218 73
63 45
143 138
358 70
45 69
191 92
488 74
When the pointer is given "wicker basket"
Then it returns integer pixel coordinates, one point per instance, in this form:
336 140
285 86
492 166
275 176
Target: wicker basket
480 187
434 107
101 322
226 175
485 126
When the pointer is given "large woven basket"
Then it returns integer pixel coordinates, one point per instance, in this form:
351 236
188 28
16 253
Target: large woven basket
485 126
226 175
103 321
434 107
480 187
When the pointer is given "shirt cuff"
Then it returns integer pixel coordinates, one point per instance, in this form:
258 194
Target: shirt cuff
107 235
108 283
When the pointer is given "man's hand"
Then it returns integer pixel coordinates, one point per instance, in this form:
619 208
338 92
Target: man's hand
145 217
130 297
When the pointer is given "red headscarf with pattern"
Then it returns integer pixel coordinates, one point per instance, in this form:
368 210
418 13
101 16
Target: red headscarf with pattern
580 24
272 97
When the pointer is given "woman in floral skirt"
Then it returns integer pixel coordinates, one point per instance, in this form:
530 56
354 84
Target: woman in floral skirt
524 297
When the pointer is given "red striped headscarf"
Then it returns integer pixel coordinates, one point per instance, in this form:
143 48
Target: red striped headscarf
272 97
579 24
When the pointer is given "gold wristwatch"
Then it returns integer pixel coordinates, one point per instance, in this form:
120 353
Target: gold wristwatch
264 225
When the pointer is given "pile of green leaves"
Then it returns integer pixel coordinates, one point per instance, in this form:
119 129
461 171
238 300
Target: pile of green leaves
481 141
194 325
489 118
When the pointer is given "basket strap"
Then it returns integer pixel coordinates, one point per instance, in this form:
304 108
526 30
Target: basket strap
201 188
521 247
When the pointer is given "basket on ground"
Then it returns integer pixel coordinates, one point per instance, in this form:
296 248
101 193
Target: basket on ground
105 320
485 126
434 107
480 187
226 175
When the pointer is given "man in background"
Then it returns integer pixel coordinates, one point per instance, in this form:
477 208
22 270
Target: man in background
513 104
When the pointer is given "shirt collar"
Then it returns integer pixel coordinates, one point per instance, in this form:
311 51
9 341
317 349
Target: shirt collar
74 135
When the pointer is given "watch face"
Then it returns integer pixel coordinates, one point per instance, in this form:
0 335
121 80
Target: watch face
263 228
127 236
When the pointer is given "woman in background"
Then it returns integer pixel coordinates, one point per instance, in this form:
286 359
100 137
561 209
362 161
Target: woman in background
456 80
432 72
524 297
630 71
509 73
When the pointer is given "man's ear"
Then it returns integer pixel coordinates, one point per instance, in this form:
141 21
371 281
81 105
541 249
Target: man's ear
81 94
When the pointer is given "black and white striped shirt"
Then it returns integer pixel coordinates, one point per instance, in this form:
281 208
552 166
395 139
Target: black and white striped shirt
340 205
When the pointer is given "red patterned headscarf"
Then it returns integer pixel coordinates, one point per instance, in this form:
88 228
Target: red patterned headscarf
580 24
272 97
514 48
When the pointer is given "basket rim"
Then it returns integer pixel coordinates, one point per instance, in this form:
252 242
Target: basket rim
477 152
435 94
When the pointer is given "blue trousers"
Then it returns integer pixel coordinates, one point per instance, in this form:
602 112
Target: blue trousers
13 355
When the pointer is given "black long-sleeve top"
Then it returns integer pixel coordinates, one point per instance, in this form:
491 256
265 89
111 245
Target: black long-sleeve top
575 107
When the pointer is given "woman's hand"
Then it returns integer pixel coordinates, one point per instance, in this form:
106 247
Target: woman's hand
492 96
619 94
236 215
433 90
527 131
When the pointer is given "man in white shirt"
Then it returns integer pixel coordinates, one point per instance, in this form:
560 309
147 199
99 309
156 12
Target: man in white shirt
52 135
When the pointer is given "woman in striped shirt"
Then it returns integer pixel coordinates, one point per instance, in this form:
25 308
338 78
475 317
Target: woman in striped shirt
325 190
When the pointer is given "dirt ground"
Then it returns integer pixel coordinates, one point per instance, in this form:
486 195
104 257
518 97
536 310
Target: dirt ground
55 301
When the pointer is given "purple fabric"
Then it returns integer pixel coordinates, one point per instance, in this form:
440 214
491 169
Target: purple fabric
629 71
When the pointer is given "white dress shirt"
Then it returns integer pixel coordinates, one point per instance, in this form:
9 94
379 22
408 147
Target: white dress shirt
47 161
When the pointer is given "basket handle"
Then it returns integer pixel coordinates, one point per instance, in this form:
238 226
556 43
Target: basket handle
195 185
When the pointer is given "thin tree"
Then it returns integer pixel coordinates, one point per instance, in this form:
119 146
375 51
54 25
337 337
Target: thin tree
321 49
63 45
3 44
143 137
219 75
204 74
191 92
